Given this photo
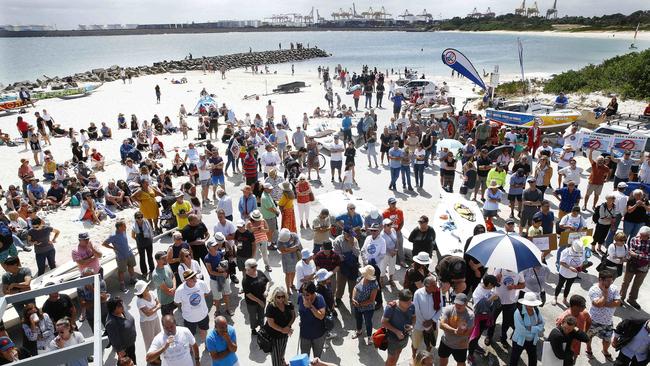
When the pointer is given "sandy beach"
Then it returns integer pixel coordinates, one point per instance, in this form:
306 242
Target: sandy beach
642 35
138 98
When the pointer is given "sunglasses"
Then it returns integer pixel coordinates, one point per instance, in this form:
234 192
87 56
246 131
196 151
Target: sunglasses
280 297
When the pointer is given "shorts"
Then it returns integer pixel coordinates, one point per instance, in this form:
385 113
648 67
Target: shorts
602 331
515 197
218 180
594 188
396 109
481 183
336 164
490 213
205 183
526 218
213 127
218 295
444 351
427 337
347 186
282 146
395 345
122 264
24 134
202 324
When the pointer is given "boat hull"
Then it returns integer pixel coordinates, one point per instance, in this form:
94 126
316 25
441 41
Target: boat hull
65 93
555 119
12 104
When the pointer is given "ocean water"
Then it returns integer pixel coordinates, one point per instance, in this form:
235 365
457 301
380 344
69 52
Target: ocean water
30 58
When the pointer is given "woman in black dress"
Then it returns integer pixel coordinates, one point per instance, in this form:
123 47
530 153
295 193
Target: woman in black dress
386 143
349 153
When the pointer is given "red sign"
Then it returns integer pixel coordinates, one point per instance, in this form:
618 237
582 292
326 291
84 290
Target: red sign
594 144
626 144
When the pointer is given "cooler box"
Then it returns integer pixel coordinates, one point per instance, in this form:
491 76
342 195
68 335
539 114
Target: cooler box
300 360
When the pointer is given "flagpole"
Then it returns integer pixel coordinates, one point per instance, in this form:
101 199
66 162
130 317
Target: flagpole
520 49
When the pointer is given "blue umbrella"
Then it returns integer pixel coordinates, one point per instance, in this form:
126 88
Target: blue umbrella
508 251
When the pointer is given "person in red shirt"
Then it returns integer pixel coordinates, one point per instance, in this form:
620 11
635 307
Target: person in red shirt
250 166
397 216
646 112
23 128
534 137
97 159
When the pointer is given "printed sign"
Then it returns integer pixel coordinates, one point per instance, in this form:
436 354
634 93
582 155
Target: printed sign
596 141
614 144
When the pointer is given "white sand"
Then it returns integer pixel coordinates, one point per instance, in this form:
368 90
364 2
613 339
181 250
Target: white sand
139 99
642 35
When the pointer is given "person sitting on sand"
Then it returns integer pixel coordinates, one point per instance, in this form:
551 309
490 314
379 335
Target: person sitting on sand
317 113
88 210
97 160
93 133
57 196
142 142
36 193
115 196
106 131
158 149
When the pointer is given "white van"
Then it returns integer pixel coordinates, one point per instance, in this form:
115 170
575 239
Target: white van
428 87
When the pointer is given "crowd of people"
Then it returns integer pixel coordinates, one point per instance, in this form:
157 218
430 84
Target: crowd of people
207 268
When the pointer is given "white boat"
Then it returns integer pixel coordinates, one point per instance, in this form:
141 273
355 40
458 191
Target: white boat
336 202
454 222
437 110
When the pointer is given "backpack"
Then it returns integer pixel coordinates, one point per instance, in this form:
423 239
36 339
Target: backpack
626 330
596 216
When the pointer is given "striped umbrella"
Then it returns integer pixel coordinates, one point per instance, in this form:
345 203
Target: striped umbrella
509 251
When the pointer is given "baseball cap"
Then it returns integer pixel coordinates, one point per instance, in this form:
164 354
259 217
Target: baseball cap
84 236
510 221
621 185
392 200
387 221
531 180
6 343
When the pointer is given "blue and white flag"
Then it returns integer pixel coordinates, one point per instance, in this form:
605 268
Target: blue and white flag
457 61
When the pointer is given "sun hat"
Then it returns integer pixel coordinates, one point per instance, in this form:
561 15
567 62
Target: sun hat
240 223
323 274
305 253
219 237
256 215
374 227
286 185
268 185
387 221
139 287
368 272
374 213
284 234
461 299
188 274
422 258
577 246
530 299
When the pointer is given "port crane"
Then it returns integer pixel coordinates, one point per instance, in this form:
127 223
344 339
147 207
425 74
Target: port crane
552 12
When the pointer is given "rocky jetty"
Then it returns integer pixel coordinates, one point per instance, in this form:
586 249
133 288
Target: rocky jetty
228 62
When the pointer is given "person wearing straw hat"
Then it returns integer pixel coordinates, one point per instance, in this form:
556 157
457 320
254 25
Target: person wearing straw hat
148 305
363 301
493 197
270 212
289 247
529 327
305 269
258 227
286 207
304 196
192 294
457 323
571 261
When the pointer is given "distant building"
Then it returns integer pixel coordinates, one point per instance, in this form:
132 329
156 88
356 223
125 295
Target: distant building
23 28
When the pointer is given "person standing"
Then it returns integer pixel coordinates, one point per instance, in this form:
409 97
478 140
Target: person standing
636 216
363 301
311 307
390 238
142 232
457 323
532 200
222 343
321 227
255 286
195 233
164 281
571 261
599 173
637 266
120 329
509 284
219 277
336 157
423 237
157 90
563 337
483 298
280 316
40 236
15 280
373 253
604 298
632 338
428 302
304 196
398 320
148 304
289 247
347 247
192 296
174 346
577 310
569 197
529 326
119 243
395 162
397 217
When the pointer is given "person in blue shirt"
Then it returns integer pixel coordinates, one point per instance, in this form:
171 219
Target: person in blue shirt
561 101
569 197
397 99
119 243
311 307
516 190
222 343
546 215
351 219
395 162
346 126
529 325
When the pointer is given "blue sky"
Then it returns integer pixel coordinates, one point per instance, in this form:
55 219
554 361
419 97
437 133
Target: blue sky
68 14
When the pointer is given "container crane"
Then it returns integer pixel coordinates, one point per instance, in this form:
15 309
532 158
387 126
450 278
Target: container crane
533 11
522 9
552 12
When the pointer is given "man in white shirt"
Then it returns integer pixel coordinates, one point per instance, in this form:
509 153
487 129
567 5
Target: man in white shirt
305 269
571 172
428 302
269 160
390 238
192 154
224 202
402 121
620 205
571 138
191 295
226 228
508 290
281 139
204 177
373 250
644 169
336 156
174 345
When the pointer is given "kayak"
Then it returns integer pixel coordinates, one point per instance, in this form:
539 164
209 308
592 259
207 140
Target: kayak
13 104
454 223
67 93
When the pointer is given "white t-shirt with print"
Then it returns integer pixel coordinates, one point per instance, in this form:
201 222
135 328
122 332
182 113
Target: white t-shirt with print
602 315
194 308
506 296
178 354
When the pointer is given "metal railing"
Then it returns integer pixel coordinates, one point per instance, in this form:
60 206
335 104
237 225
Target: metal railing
75 352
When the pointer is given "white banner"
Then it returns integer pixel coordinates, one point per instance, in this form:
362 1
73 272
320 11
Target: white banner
614 144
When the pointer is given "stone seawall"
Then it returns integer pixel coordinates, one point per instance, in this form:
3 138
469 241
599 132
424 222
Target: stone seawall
231 61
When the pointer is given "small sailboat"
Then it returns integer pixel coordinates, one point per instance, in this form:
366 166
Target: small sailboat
636 32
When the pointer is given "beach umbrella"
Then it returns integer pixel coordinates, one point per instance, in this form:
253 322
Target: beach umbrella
451 144
509 251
